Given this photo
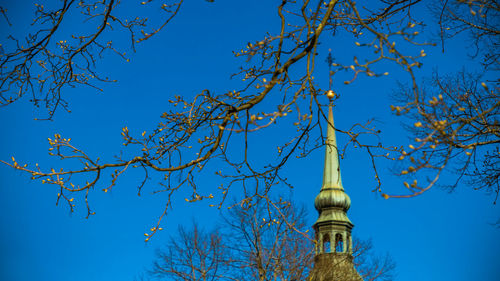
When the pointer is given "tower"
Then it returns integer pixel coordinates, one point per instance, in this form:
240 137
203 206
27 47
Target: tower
333 260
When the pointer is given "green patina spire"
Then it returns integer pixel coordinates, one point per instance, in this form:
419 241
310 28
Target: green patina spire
332 202
331 174
333 259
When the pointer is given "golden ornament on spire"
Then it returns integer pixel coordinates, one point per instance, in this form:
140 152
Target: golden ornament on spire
330 94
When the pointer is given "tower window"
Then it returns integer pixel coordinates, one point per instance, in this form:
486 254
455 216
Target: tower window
326 243
339 243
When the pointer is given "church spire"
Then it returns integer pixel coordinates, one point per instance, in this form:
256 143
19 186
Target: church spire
331 174
333 259
332 202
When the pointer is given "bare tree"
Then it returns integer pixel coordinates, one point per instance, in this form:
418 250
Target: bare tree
257 243
454 120
42 66
456 127
193 255
269 242
277 87
477 19
369 265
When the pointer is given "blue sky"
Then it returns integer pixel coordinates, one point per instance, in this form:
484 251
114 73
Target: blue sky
437 236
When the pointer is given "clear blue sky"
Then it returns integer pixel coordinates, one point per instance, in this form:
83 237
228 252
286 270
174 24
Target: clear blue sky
437 236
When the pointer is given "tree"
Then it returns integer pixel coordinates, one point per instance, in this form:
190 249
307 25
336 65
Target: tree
455 119
194 255
456 126
277 90
256 243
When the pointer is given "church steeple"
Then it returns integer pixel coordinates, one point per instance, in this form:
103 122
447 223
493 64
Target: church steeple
331 174
333 260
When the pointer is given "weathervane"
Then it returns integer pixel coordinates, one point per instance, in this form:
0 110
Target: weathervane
330 93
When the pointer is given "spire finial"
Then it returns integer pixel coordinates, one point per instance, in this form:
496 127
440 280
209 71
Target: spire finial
330 94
